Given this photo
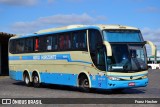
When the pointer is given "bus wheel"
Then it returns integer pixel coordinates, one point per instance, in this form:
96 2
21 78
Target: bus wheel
26 79
36 82
84 84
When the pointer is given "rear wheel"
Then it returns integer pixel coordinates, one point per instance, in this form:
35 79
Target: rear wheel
36 82
27 79
84 84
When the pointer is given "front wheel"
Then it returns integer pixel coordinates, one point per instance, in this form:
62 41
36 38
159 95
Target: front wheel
84 84
36 82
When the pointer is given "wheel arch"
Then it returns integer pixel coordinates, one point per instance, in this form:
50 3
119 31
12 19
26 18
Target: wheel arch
26 71
36 72
84 73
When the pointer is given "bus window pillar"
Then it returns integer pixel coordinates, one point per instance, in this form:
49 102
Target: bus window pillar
108 48
154 50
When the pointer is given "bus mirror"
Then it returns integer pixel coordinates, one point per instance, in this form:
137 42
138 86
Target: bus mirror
154 50
108 48
153 47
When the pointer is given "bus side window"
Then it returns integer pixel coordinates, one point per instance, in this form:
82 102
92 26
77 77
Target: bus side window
79 40
42 43
97 51
36 44
61 42
68 41
82 39
12 46
49 43
29 45
74 39
54 42
20 46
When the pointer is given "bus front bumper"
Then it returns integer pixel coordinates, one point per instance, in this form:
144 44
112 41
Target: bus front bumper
127 84
106 83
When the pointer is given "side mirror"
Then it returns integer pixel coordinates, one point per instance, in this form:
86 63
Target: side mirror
154 50
153 47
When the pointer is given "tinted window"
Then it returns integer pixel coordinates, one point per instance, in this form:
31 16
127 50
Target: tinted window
122 36
69 41
12 46
97 50
61 41
28 45
94 39
49 43
54 42
42 43
21 45
79 40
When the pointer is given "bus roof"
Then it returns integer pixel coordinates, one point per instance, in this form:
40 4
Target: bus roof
76 27
102 27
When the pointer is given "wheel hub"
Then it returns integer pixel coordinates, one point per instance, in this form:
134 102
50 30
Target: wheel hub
26 80
36 79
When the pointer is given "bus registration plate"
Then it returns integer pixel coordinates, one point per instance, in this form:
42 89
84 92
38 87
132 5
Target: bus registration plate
131 84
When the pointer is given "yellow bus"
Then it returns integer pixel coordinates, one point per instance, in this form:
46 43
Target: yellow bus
85 56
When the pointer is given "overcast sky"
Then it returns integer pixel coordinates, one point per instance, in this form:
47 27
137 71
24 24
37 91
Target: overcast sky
28 16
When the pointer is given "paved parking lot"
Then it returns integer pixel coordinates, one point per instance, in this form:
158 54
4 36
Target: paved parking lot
16 89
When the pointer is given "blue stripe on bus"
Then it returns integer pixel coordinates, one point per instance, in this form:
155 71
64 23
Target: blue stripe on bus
17 75
48 57
97 81
14 58
59 78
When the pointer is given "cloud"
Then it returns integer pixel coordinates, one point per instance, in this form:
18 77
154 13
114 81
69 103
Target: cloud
152 35
18 2
52 21
149 10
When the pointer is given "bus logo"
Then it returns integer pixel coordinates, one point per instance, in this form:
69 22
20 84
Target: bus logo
6 101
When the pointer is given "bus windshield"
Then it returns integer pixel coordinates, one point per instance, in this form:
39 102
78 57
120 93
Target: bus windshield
127 58
122 36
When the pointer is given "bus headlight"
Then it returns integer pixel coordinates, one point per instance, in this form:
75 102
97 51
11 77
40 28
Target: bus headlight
113 78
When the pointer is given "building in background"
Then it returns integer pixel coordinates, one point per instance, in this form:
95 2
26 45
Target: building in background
4 38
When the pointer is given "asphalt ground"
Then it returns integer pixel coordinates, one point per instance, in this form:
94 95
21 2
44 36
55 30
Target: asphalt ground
16 89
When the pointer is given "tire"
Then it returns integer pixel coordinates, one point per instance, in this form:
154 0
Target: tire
36 82
84 84
27 80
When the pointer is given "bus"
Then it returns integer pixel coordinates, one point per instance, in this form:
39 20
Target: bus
110 57
154 62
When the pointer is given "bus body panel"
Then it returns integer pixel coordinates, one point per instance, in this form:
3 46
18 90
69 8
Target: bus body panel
97 81
54 71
